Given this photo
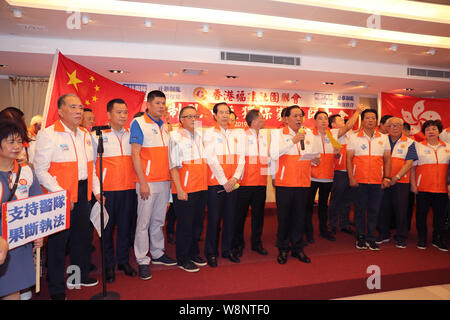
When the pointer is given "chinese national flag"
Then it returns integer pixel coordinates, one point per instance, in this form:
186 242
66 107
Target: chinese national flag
93 90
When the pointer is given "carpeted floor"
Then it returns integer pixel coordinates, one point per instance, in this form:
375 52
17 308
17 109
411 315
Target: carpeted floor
338 269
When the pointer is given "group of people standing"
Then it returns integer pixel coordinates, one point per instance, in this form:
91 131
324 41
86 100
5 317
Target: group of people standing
222 171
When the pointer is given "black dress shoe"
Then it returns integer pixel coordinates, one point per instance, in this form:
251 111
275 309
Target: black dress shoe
348 230
282 257
127 269
110 275
230 256
237 252
332 230
328 236
260 250
212 261
301 256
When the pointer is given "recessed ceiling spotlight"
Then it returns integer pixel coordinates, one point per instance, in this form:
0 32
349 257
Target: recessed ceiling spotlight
259 33
3 65
432 52
231 77
85 19
352 43
328 83
148 23
171 74
409 89
293 81
393 47
205 28
116 71
308 38
17 12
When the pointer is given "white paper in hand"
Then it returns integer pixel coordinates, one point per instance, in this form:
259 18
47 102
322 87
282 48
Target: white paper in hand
95 217
309 156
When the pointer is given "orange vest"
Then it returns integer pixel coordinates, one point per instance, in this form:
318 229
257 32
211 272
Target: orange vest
432 167
256 160
368 156
398 156
188 155
226 151
154 151
325 169
118 170
289 172
64 166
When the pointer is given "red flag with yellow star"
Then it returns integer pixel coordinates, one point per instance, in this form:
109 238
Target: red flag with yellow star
93 89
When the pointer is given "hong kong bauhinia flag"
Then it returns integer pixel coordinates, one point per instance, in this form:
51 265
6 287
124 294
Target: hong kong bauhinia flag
94 90
415 110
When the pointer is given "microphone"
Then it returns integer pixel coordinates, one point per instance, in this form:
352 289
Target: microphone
99 128
302 142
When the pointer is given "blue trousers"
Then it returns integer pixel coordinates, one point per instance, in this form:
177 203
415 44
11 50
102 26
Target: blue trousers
367 203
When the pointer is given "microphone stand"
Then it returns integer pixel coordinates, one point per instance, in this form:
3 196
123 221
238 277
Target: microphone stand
104 295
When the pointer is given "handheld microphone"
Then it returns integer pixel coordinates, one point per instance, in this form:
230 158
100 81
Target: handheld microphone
302 142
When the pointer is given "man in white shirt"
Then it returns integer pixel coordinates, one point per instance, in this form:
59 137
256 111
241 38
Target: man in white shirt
64 161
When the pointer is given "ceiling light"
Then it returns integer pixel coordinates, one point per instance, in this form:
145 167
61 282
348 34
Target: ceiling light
3 65
352 43
308 38
328 83
170 74
293 81
148 23
116 71
17 13
409 89
243 19
393 47
431 52
414 10
205 28
231 77
259 33
85 19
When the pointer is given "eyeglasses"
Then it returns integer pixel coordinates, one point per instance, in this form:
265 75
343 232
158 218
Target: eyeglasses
191 117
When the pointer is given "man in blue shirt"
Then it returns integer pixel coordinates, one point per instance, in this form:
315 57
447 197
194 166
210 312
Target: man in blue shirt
395 198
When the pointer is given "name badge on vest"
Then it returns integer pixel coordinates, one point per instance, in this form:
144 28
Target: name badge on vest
64 147
105 139
400 151
427 151
219 140
155 131
364 146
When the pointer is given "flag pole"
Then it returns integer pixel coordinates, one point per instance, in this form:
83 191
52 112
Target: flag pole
51 81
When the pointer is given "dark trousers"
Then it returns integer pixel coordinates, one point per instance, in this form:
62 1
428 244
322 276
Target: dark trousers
80 244
221 206
254 196
324 193
340 201
171 219
291 204
411 202
367 200
120 206
395 203
437 201
190 215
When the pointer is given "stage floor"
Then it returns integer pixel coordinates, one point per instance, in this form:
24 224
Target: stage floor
337 270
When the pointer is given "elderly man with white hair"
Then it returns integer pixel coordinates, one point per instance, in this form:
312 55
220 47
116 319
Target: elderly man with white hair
395 198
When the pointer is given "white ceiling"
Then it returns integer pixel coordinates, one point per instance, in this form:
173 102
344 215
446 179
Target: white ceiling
113 42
